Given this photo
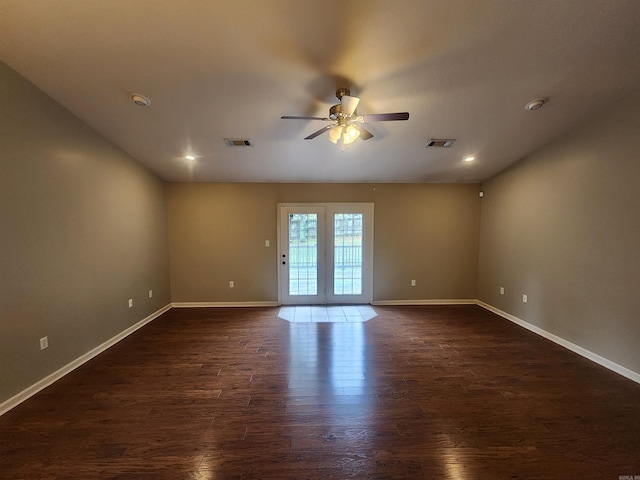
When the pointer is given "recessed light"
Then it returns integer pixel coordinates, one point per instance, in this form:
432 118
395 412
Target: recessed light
189 157
535 104
140 100
470 158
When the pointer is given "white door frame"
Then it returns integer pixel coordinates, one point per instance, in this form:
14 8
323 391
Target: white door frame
327 274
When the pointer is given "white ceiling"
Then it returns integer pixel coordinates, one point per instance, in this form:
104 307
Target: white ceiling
464 69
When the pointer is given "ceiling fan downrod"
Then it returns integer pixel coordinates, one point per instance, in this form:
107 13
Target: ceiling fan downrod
341 92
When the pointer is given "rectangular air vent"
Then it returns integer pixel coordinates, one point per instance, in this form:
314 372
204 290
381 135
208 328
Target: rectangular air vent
237 142
440 142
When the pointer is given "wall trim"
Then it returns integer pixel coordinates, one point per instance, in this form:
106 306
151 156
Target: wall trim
445 301
619 369
69 367
222 304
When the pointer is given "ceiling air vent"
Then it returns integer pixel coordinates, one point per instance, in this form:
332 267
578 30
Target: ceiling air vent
440 142
237 142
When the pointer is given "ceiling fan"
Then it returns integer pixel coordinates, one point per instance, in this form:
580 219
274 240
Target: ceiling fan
347 126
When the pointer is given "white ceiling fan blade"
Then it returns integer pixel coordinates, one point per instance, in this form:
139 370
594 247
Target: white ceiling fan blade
348 104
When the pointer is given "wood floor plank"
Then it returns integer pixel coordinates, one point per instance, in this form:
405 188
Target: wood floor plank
432 392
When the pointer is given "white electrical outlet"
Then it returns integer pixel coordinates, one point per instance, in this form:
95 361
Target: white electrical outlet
266 243
413 283
501 290
524 299
44 343
130 302
231 284
150 293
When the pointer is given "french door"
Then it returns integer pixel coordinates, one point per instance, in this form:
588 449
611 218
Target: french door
326 253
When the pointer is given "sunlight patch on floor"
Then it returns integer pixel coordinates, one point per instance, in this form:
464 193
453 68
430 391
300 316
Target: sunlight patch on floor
327 314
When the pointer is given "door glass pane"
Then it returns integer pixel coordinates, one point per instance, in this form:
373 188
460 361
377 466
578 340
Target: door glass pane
303 254
347 254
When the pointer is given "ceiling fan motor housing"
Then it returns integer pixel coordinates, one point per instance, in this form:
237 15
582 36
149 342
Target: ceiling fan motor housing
334 112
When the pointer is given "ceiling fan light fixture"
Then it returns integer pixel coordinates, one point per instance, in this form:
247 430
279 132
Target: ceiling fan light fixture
335 133
346 129
350 135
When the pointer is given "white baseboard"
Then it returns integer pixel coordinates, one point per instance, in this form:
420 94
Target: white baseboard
58 374
619 369
222 304
445 301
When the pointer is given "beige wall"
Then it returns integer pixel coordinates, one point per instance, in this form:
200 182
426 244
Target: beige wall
424 232
563 228
82 230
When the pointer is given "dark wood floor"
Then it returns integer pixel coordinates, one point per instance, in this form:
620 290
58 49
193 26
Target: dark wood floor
417 392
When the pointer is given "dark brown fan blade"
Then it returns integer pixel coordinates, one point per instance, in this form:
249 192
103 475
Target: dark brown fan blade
364 133
385 117
290 117
319 132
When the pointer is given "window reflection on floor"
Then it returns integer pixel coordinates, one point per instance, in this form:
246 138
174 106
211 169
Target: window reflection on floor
327 359
328 353
305 363
347 358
